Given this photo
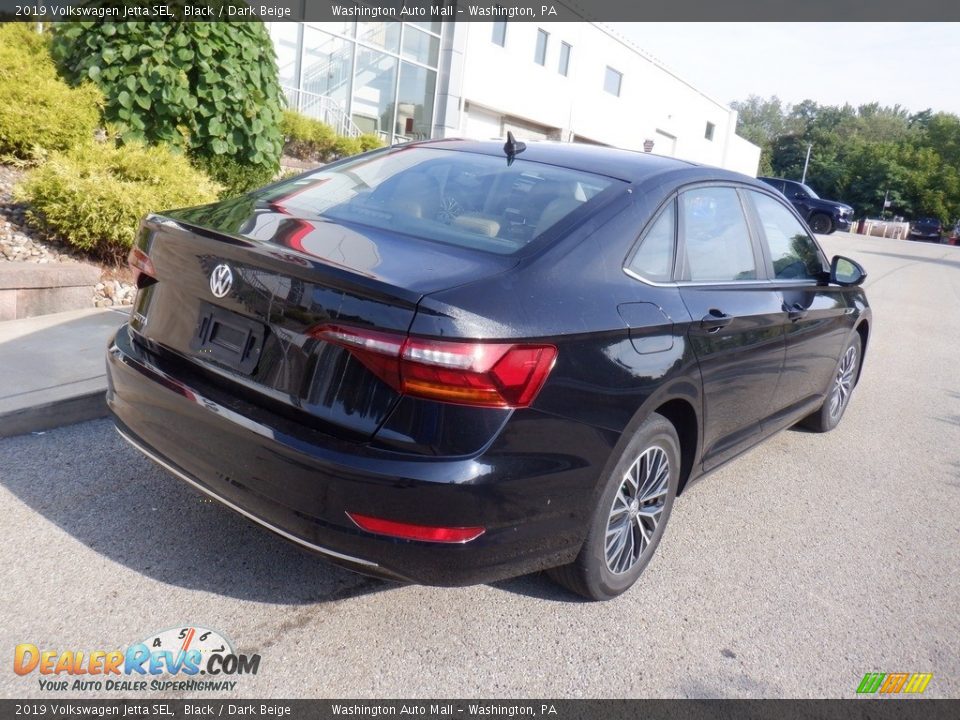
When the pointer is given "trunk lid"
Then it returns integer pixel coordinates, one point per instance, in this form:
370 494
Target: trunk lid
287 274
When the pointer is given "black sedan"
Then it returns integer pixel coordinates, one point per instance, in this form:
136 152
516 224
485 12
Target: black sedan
452 362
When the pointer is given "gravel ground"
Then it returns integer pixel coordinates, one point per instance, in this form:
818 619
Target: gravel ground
790 572
20 243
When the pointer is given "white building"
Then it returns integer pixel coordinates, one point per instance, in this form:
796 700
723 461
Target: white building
576 82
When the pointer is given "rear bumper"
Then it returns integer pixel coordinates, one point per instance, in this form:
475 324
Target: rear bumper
534 501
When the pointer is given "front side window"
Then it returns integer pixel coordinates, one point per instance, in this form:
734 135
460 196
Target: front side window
716 240
799 190
458 198
541 55
653 260
792 250
612 81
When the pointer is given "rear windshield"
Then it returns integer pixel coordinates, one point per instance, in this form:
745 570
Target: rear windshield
460 198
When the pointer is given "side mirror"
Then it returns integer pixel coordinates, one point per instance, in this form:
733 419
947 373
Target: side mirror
846 272
800 195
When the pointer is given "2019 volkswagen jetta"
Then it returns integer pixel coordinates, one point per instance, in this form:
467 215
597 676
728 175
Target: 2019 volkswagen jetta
451 362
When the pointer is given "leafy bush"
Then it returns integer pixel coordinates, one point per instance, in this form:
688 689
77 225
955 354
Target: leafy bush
306 138
210 88
309 139
370 141
236 177
95 195
39 113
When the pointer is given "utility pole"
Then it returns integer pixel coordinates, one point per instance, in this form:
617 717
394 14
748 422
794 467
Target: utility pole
806 163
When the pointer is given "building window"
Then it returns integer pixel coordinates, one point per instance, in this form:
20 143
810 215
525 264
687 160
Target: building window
415 96
500 33
384 35
382 76
327 67
564 59
286 44
541 55
709 132
612 81
420 46
374 90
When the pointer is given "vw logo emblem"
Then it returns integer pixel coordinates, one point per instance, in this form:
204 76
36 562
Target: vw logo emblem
221 280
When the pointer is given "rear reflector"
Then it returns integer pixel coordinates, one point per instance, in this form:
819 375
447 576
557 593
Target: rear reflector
484 374
406 531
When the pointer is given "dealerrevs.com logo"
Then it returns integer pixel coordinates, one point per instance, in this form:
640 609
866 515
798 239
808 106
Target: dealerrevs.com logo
179 659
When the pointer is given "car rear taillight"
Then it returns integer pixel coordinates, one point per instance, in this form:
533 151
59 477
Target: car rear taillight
408 531
141 263
505 375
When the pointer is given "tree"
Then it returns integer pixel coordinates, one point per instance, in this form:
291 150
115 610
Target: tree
209 88
761 122
861 153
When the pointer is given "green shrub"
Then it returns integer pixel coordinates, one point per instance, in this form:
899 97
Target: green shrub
209 88
309 139
235 177
306 138
39 113
370 141
347 146
95 195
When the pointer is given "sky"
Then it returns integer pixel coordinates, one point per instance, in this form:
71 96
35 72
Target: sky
915 65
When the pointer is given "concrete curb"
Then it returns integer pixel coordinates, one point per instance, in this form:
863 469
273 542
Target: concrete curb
66 411
54 369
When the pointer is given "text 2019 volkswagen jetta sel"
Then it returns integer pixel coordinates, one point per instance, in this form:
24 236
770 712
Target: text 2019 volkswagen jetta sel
451 362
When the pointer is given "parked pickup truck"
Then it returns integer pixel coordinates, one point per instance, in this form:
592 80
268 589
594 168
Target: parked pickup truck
823 216
926 228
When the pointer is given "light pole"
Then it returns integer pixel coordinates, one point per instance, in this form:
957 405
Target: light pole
806 163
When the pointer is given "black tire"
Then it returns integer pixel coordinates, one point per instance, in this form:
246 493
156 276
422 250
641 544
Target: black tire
821 224
591 575
829 415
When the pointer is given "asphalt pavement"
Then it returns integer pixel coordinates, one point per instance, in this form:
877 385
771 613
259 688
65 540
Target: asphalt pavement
789 573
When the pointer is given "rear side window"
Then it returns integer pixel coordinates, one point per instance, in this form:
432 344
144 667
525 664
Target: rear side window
717 244
454 197
653 260
792 250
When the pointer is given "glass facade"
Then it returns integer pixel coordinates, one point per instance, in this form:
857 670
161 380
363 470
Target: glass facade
379 77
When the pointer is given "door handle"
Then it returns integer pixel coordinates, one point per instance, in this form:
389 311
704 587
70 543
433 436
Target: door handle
714 320
795 312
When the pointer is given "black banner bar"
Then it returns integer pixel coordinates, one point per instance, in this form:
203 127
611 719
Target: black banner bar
478 11
854 709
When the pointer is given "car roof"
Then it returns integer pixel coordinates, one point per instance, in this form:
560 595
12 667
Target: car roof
632 166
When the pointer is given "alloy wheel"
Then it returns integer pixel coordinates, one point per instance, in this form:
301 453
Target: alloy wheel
636 510
843 382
